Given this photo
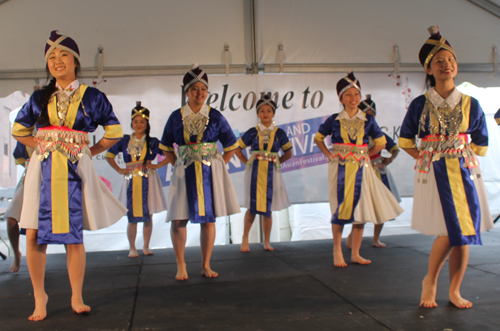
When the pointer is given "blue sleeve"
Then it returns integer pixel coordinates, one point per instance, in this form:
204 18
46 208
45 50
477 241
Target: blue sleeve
326 128
497 117
247 138
116 148
167 139
155 146
409 128
283 140
390 143
374 130
477 125
226 134
24 123
102 114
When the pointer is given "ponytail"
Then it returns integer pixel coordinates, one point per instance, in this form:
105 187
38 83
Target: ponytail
43 118
148 144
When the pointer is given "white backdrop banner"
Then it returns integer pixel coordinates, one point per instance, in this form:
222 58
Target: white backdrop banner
304 102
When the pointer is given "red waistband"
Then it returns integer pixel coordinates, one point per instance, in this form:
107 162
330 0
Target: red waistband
59 128
376 156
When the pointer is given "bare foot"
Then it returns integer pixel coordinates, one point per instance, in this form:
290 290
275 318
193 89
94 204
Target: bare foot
268 247
209 273
133 253
338 259
428 298
457 300
181 272
378 244
78 306
147 252
16 263
244 246
360 260
40 311
348 241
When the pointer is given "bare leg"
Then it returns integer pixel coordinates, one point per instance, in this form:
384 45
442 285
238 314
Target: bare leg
267 224
207 239
13 232
338 257
377 229
146 233
357 237
131 235
249 218
439 253
348 241
459 258
76 260
37 258
178 234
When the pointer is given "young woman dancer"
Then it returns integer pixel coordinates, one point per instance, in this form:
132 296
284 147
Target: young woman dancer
379 164
356 195
200 187
264 187
141 191
450 198
63 194
22 155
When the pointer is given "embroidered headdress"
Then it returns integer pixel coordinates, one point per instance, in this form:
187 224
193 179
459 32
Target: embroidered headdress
347 82
368 104
62 42
140 111
194 75
266 100
434 44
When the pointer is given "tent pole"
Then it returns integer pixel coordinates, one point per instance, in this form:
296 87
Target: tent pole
255 65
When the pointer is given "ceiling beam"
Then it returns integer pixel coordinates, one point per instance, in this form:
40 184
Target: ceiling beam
489 6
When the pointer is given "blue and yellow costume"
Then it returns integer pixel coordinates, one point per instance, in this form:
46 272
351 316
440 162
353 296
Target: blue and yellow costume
61 202
448 164
200 188
497 117
138 182
264 165
355 192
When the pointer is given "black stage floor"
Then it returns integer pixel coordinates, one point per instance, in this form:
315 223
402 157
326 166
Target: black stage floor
295 287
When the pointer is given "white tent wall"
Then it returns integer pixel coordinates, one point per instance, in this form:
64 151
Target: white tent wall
364 31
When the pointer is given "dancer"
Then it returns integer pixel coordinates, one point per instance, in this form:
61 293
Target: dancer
379 164
141 191
356 195
22 155
63 194
200 187
449 198
265 190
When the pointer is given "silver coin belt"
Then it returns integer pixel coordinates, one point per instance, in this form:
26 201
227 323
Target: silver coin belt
200 152
437 147
72 144
137 169
357 154
265 156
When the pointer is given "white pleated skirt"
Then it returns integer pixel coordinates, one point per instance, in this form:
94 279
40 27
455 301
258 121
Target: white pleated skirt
100 208
280 196
15 206
224 196
156 198
392 185
428 217
376 204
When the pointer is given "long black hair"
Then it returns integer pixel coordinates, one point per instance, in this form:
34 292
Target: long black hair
430 81
145 112
47 91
